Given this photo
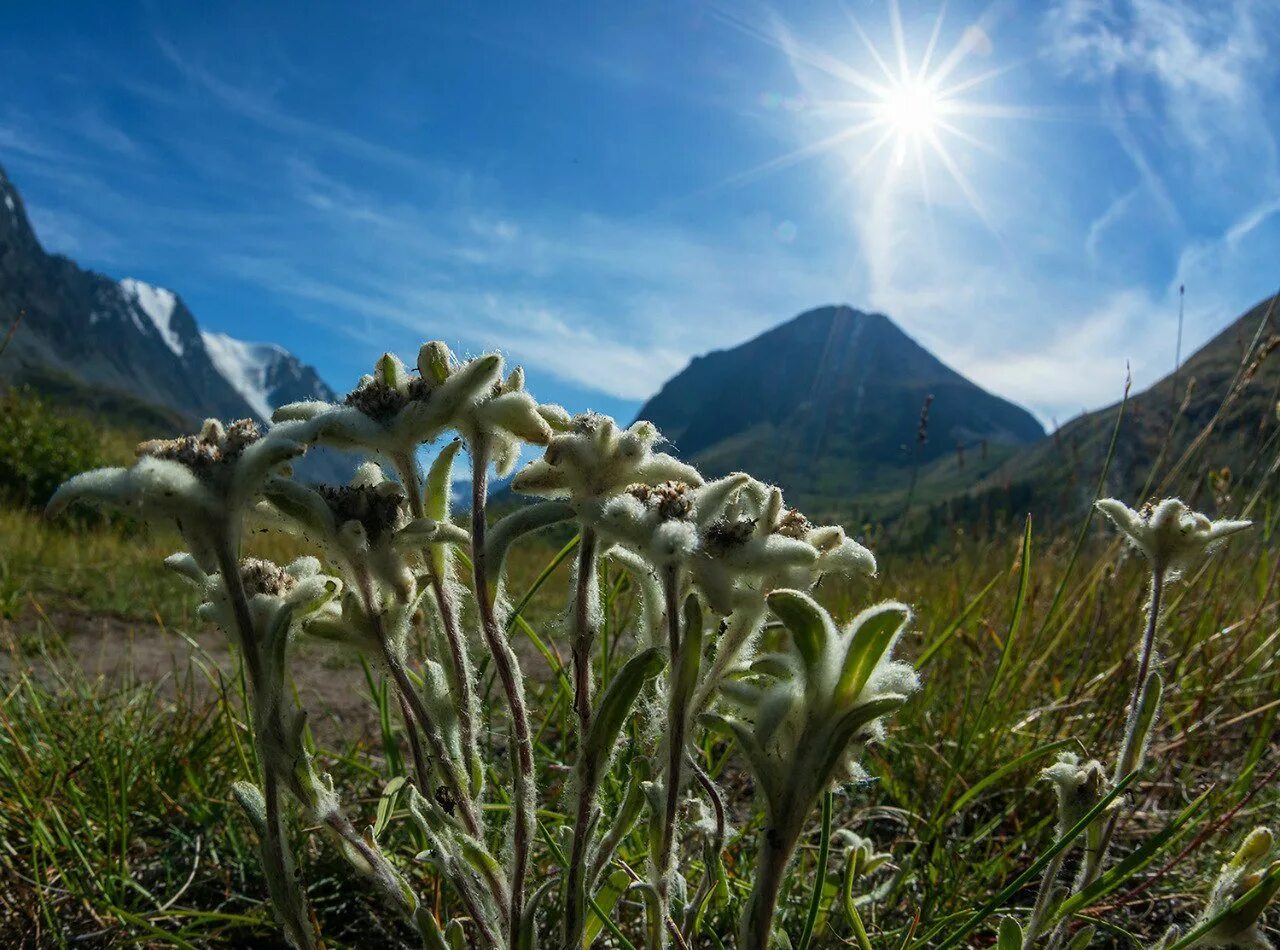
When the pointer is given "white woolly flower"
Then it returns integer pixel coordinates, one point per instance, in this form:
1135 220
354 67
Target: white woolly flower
593 460
300 588
1171 535
1080 786
392 412
761 545
202 482
365 525
668 523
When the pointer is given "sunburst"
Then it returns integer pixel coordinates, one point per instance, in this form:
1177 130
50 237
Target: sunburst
905 110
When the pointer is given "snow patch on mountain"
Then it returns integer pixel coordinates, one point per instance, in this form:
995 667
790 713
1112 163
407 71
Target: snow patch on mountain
158 305
246 366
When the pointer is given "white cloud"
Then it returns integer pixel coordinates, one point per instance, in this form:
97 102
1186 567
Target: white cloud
1203 59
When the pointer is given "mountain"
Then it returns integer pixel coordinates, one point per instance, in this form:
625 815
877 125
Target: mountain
264 374
828 405
1235 377
126 347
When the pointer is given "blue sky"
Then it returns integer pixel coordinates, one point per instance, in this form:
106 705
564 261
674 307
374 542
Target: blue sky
604 190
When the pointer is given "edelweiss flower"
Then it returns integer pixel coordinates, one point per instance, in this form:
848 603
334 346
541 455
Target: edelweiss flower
203 482
300 588
1079 786
592 461
392 412
761 545
365 525
1171 535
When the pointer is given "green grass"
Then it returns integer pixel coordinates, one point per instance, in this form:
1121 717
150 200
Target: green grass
116 822
107 787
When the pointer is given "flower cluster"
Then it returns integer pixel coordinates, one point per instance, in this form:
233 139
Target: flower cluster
715 559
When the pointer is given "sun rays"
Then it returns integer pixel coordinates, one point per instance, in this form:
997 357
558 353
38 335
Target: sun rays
888 111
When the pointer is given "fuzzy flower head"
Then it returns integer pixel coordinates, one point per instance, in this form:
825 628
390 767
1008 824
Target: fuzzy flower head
591 460
666 524
202 482
364 526
1171 536
280 598
1250 868
760 545
806 713
393 411
1080 786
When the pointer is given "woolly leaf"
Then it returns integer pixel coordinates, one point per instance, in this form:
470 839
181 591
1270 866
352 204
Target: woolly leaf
618 699
804 618
873 633
1010 935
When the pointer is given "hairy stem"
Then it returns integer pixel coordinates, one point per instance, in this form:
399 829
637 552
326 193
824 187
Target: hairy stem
505 663
588 771
777 842
677 717
411 476
1044 897
282 880
1127 760
714 850
1129 751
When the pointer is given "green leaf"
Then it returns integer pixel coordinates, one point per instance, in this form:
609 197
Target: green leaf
1083 937
1148 709
506 531
429 929
439 481
387 803
439 484
875 632
618 699
255 806
1010 936
801 615
479 857
606 899
690 647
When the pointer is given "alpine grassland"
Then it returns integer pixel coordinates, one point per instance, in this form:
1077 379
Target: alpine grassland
621 704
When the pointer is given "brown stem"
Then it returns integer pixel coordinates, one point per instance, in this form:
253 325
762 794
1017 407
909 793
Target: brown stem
588 771
717 846
421 767
504 661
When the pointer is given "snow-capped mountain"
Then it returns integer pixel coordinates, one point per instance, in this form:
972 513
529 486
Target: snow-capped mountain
84 334
265 374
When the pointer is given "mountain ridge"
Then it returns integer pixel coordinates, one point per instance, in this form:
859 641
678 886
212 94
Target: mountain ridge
129 339
828 404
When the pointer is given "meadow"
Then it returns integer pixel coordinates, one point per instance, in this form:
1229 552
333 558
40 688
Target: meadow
126 720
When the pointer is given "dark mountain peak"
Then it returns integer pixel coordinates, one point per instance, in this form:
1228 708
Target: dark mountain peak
16 234
828 404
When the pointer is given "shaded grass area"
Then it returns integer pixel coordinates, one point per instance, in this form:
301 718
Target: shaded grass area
117 823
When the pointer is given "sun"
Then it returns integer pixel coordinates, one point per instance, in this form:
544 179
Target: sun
873 102
913 110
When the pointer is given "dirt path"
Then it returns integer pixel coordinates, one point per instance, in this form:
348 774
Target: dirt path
123 652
